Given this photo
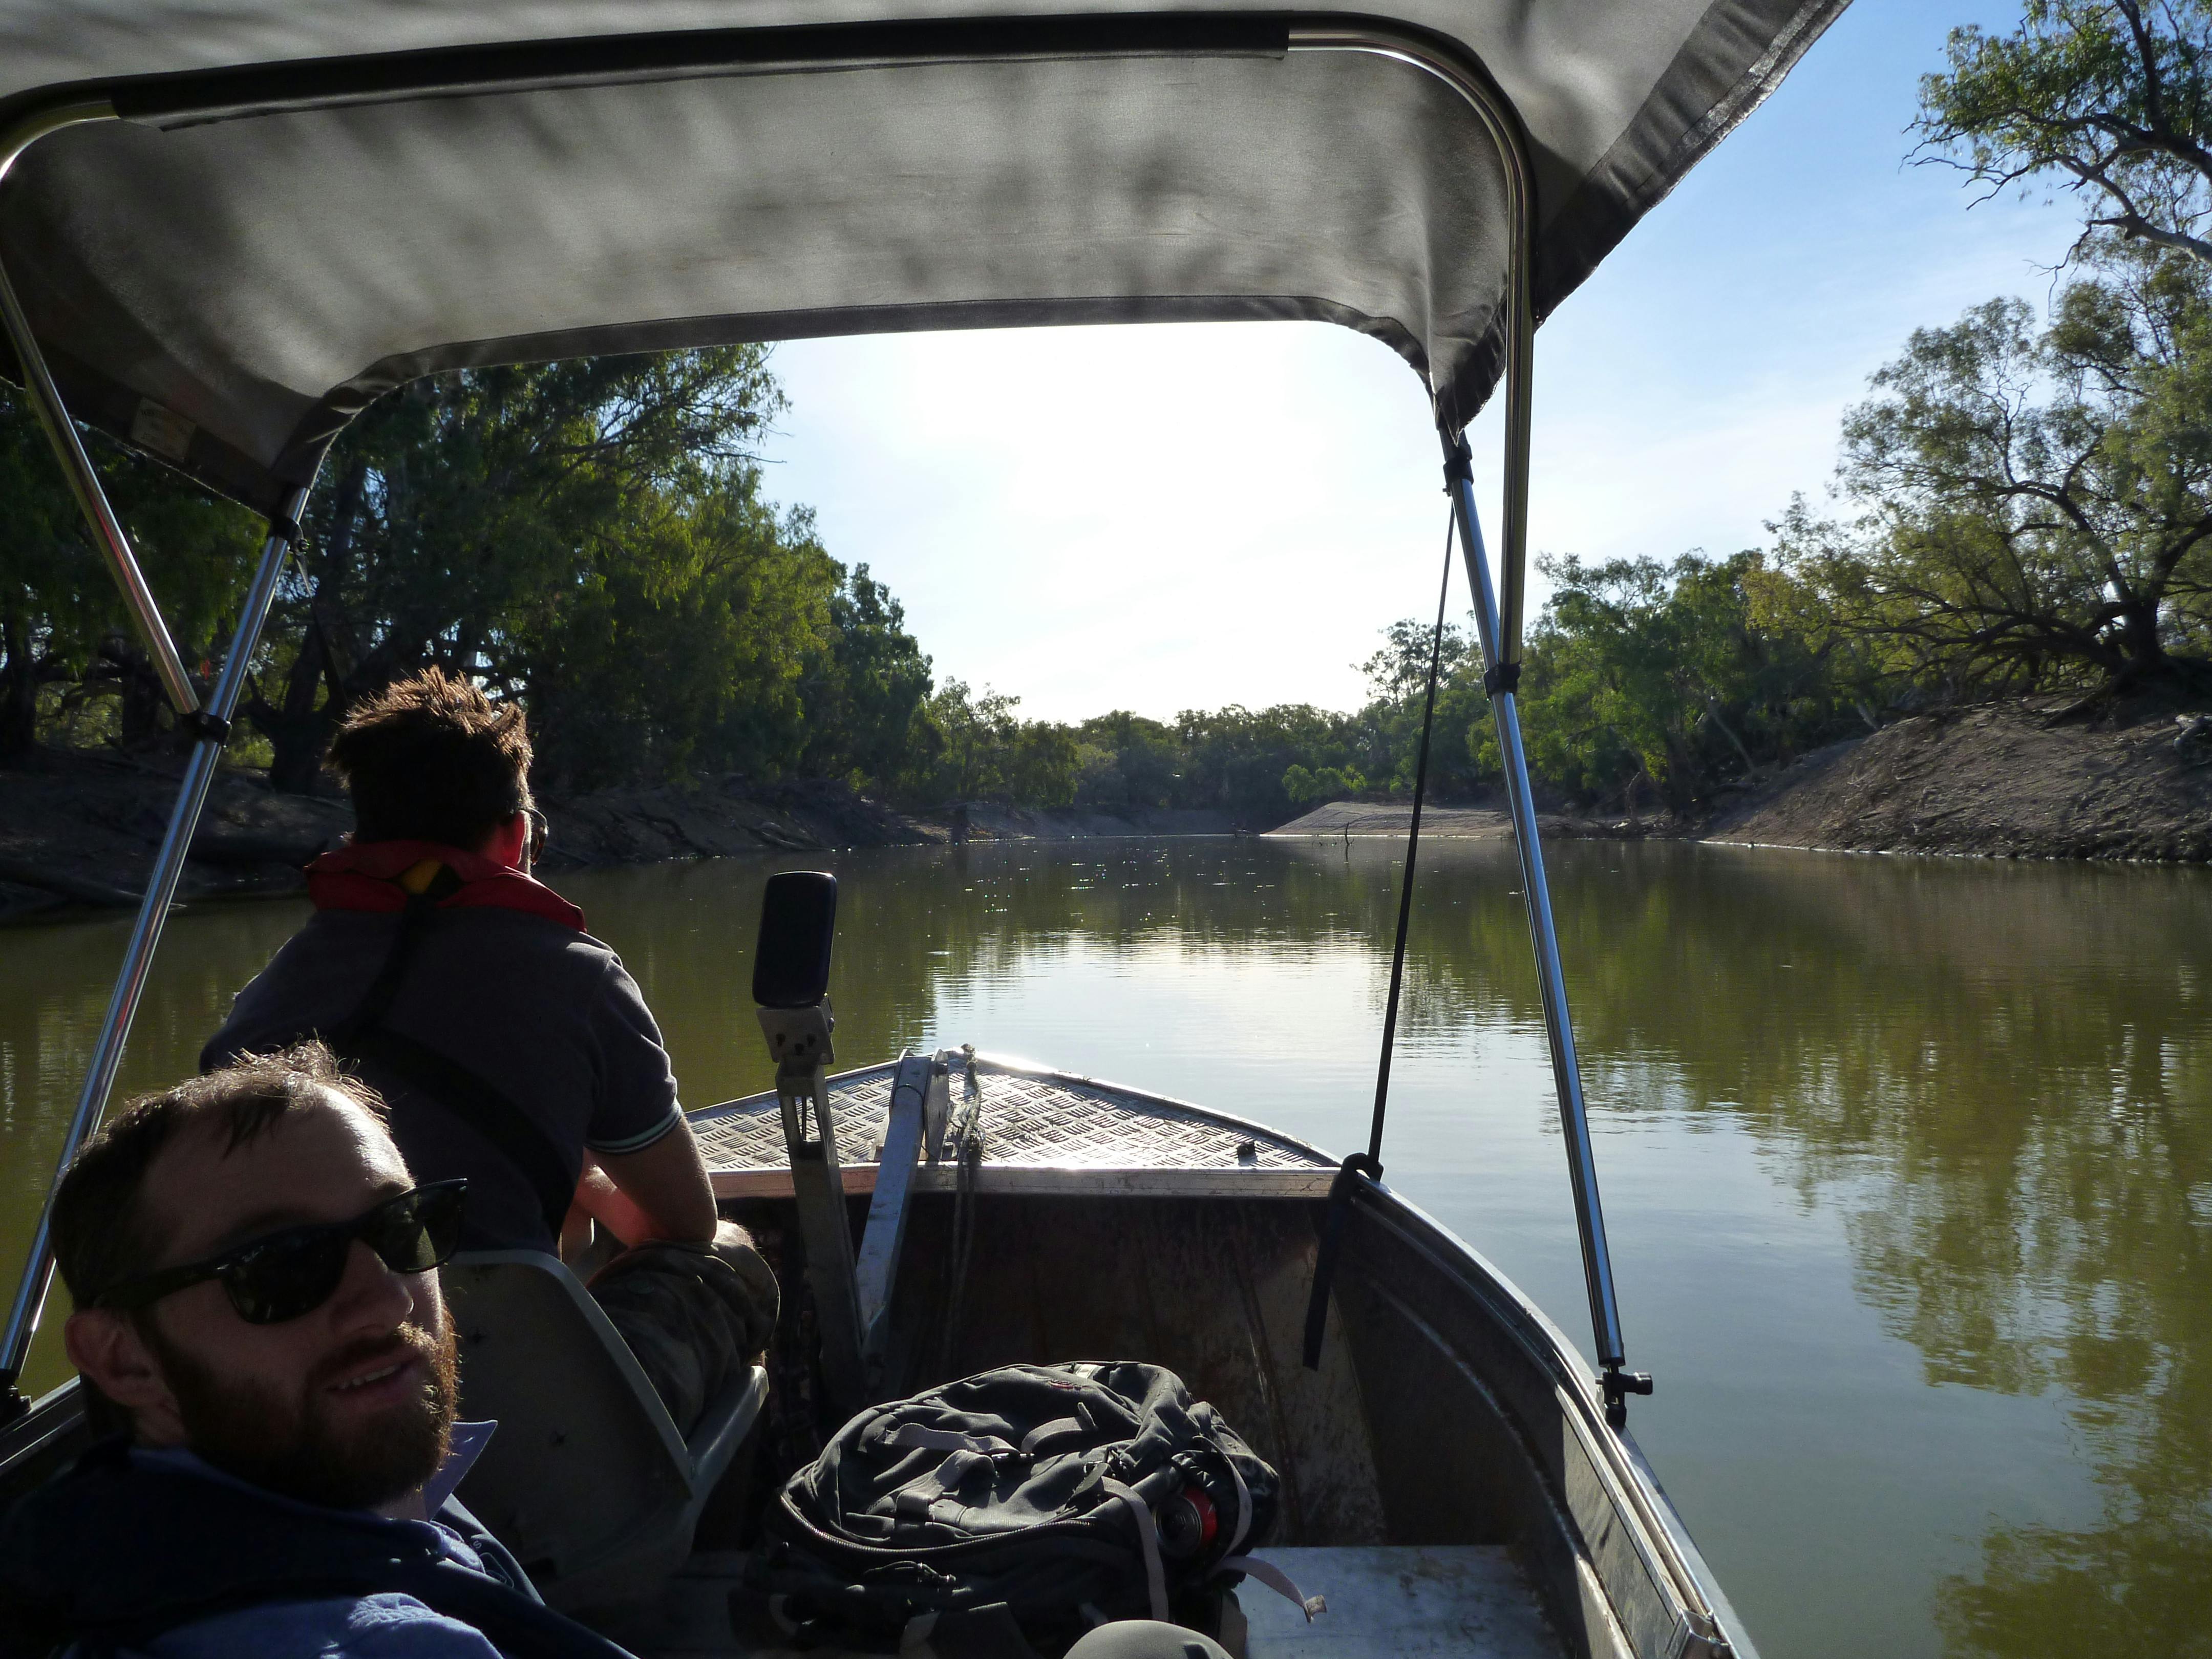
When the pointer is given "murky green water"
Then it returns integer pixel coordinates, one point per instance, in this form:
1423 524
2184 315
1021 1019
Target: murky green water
1908 1164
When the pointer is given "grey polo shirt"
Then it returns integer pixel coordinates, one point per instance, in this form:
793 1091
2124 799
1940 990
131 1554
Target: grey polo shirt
546 1014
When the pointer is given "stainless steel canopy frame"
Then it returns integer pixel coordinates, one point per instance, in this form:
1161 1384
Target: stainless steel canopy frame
146 932
236 93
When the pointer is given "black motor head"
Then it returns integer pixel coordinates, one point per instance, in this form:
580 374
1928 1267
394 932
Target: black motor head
799 922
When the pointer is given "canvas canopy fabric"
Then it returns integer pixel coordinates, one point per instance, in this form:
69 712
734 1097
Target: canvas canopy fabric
307 204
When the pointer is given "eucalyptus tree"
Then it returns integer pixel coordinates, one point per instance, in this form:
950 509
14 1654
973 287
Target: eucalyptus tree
865 691
468 509
2113 99
1676 678
2029 504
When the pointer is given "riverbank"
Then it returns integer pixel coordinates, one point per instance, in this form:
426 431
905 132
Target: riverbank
81 828
2014 779
1468 823
2018 779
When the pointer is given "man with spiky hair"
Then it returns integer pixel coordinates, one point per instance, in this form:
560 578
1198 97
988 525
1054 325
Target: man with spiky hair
514 1048
259 1329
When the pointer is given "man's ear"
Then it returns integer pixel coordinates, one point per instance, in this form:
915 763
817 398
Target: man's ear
109 1352
506 842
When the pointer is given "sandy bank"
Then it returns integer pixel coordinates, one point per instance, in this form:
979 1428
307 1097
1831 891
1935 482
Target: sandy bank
1360 817
2005 780
2017 779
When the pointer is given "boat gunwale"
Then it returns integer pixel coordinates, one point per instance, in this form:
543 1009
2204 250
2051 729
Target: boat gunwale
1659 1531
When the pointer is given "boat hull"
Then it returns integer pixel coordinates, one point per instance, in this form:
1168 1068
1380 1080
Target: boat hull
1448 1411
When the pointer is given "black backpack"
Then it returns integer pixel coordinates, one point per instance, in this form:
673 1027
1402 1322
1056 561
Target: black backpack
1011 1511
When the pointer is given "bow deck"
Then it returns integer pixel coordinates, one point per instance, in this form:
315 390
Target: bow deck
1040 1132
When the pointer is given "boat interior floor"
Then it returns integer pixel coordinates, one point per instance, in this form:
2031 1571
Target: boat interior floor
1470 1601
1102 1224
1216 1290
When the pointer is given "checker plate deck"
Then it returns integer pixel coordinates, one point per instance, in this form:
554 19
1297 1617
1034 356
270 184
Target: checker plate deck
1042 1131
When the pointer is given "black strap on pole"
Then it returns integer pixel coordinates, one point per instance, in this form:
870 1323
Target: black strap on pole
1370 1162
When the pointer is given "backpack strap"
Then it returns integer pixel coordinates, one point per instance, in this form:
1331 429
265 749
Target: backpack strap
1148 1540
362 1036
1278 1581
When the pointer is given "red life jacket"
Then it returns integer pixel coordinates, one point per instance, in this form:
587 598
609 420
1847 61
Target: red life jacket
380 875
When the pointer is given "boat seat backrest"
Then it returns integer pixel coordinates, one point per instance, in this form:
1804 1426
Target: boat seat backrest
587 1479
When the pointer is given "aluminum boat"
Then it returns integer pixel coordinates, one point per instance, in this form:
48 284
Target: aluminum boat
223 233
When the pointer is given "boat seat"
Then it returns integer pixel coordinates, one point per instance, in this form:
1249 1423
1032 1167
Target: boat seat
1467 1600
587 1479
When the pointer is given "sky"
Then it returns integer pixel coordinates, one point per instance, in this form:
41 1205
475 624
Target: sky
1232 512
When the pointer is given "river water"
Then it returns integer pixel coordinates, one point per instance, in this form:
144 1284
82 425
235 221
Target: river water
1907 1163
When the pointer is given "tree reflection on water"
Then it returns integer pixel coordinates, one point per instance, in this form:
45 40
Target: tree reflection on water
2021 1053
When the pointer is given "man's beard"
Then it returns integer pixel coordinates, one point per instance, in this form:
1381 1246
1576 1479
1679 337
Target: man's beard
290 1446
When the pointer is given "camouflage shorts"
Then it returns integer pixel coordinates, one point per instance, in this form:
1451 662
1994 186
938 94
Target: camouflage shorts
696 1317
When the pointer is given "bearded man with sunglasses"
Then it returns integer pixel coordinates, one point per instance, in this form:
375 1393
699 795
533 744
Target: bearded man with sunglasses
513 1048
258 1326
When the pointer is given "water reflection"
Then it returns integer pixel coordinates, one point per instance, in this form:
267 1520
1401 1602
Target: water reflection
1973 1102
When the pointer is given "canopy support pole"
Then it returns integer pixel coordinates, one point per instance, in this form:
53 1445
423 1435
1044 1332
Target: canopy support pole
145 935
210 724
1499 619
1501 680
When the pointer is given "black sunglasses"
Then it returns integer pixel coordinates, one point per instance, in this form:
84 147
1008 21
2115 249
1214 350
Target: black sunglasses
541 831
283 1276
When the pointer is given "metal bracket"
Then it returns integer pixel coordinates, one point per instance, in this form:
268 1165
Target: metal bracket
1617 1385
798 1040
206 726
905 1131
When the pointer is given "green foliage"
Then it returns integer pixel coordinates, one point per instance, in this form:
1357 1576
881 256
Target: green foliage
2113 98
1462 755
531 525
683 648
63 621
2032 506
1125 762
1305 788
1675 680
864 696
589 537
979 751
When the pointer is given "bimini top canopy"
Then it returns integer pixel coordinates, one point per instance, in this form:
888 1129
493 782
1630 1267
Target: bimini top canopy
304 204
